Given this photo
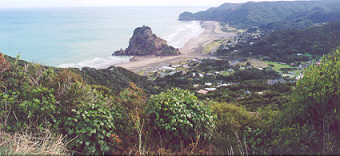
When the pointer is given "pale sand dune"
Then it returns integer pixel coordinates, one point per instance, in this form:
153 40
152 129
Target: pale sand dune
192 49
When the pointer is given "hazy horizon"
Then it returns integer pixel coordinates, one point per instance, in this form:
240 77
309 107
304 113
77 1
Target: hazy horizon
112 3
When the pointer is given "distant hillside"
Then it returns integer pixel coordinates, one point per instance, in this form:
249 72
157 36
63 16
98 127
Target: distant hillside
303 19
285 45
246 15
144 42
114 78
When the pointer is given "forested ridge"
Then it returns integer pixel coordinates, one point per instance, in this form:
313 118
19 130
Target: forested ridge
284 45
270 15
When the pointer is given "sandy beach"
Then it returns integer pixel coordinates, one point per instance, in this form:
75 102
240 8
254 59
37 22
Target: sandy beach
192 49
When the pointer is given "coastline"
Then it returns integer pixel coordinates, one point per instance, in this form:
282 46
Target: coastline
191 49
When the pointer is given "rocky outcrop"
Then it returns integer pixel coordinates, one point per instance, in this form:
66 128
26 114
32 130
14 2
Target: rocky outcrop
144 42
187 16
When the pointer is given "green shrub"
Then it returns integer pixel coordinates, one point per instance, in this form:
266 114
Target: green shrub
91 128
178 116
232 120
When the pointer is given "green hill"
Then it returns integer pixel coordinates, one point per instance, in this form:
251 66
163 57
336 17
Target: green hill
246 15
284 45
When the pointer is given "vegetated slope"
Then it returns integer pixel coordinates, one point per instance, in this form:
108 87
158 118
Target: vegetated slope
284 45
115 78
303 19
246 15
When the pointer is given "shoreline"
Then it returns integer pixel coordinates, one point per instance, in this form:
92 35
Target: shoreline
191 49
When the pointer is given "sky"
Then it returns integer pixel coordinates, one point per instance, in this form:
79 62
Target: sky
96 3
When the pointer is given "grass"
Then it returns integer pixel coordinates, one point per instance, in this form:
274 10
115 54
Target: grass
277 66
141 73
232 30
210 46
21 143
255 64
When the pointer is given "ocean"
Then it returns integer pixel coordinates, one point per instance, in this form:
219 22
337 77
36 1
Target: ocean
87 36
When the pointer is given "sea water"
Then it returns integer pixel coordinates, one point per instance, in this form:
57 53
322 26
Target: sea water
80 37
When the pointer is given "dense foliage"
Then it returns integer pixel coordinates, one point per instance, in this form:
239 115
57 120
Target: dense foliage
303 19
179 116
284 45
308 124
115 78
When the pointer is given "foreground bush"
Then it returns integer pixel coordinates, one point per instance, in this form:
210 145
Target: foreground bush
179 117
231 122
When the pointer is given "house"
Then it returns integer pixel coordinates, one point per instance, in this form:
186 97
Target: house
299 77
260 93
193 74
182 72
240 98
247 92
230 70
275 81
242 68
202 91
210 89
168 68
185 66
161 74
196 85
175 66
173 72
217 72
223 85
209 74
208 84
260 68
200 75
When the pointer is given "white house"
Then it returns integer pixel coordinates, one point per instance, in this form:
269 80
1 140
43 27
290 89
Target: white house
202 91
168 68
210 89
193 74
299 77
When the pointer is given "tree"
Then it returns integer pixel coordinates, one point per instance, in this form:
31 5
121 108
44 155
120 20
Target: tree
315 103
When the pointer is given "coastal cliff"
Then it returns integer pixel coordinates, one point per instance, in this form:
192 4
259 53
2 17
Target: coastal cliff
144 42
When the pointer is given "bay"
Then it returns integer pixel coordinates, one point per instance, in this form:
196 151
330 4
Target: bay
87 36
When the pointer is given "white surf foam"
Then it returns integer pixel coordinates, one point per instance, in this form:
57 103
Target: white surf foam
98 62
184 33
